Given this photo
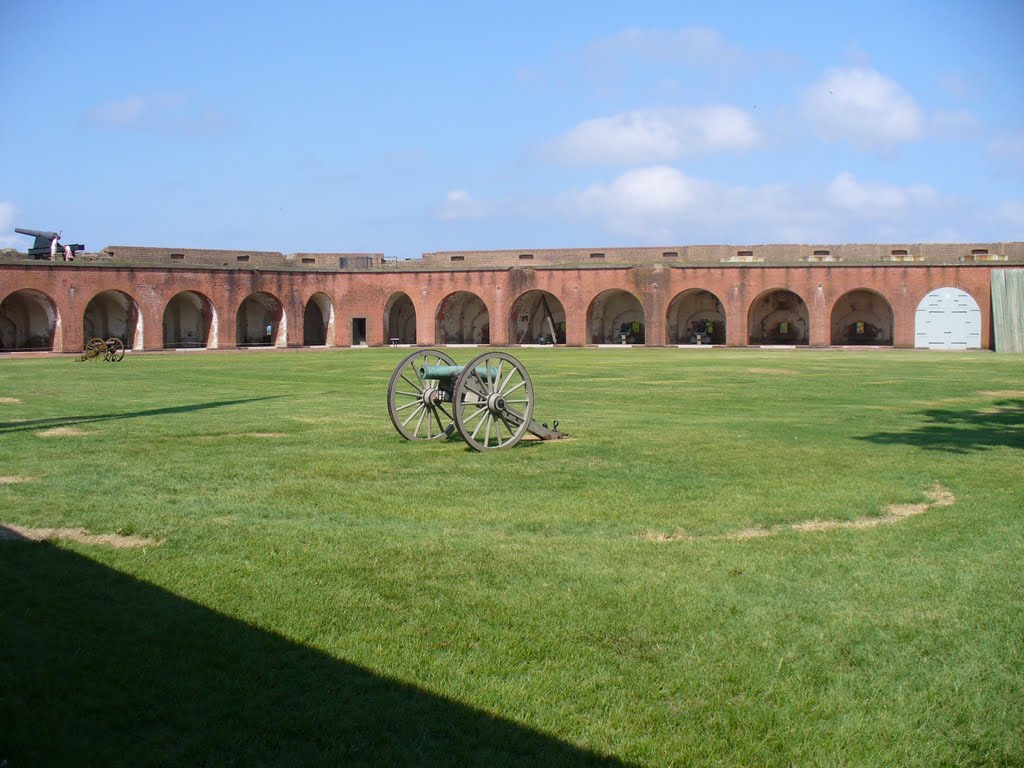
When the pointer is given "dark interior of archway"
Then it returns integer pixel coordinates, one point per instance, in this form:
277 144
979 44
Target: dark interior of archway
25 323
314 326
186 321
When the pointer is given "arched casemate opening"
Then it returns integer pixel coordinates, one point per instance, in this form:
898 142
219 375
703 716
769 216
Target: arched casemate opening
462 318
318 321
261 322
695 317
779 317
616 317
113 314
536 317
28 321
190 321
862 317
400 319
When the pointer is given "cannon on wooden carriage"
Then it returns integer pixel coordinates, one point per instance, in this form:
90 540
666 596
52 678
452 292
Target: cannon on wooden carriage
489 401
111 350
47 245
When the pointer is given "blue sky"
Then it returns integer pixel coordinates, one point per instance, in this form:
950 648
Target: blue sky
410 127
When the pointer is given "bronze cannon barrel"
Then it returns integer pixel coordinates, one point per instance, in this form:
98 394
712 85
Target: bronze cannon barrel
452 371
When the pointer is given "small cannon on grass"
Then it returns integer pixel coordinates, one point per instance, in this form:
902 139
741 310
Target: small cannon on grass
111 350
489 401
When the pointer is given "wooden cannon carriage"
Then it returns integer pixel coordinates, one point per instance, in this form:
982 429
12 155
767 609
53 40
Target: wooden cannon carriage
489 401
111 350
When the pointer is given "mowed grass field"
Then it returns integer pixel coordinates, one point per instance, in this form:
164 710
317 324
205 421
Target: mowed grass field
646 593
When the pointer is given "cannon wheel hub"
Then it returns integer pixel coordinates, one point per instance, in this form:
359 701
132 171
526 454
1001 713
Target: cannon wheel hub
493 400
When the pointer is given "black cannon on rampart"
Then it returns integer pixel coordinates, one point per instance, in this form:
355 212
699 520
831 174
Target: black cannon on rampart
44 246
489 401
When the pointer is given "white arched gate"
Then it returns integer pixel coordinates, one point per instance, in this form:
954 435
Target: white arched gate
948 318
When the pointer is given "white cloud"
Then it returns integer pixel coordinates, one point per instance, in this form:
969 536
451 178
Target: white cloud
847 194
653 193
8 237
958 124
657 135
168 111
661 203
863 106
459 204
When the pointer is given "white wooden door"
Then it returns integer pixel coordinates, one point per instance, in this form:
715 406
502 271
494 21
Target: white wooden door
948 318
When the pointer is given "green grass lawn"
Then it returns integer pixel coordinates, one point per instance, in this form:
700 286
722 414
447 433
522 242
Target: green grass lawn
328 593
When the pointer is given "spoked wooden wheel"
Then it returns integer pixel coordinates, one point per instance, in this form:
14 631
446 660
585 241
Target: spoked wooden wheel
493 401
94 348
420 409
114 350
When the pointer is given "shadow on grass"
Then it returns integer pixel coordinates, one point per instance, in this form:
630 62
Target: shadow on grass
98 668
71 421
963 431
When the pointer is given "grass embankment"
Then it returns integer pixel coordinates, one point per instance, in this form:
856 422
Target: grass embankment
325 591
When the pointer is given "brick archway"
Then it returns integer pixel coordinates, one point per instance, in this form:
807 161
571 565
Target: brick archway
113 313
862 316
462 318
261 321
189 320
29 320
692 312
616 314
318 321
778 316
400 318
537 315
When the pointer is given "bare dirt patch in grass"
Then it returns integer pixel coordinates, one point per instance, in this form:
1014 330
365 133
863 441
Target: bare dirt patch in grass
10 532
63 432
1004 393
749 533
937 497
661 537
12 479
9 401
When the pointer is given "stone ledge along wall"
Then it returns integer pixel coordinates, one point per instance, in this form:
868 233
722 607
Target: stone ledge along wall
360 298
239 259
767 254
857 253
